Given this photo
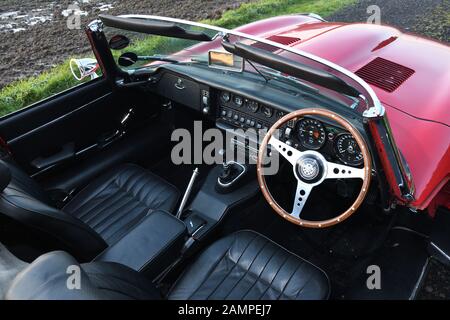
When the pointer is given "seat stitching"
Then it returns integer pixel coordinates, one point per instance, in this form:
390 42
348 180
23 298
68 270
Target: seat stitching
90 210
258 277
304 286
144 185
127 225
122 227
115 217
211 270
271 282
235 264
83 203
215 266
266 283
131 181
287 282
100 212
248 269
107 212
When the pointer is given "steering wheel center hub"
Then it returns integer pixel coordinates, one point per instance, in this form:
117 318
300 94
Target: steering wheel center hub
311 167
308 168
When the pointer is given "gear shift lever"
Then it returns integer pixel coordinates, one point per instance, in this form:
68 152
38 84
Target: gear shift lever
232 173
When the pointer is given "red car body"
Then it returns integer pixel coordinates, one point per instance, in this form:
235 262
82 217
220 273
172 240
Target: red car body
418 110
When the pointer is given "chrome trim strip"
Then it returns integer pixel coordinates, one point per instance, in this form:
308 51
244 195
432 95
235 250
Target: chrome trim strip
420 280
13 140
440 251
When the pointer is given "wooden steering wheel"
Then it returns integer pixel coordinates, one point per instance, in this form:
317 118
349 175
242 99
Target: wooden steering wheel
310 169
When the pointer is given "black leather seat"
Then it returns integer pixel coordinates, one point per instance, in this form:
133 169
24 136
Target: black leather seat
46 279
96 217
248 266
244 265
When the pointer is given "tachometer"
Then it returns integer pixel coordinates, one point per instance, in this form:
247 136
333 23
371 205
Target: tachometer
311 133
347 150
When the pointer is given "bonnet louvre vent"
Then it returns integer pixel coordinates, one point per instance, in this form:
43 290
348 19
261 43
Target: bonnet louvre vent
385 74
287 41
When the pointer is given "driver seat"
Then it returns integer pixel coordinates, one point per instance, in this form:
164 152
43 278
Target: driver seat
242 266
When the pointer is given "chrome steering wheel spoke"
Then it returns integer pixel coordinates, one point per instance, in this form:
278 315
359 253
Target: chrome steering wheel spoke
301 195
289 153
339 171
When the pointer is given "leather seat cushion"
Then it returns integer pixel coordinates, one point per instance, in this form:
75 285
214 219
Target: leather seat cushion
247 265
48 276
116 202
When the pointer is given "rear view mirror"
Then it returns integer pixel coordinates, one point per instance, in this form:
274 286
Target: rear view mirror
119 42
225 60
128 59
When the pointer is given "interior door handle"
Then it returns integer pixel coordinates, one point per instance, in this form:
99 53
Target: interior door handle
67 152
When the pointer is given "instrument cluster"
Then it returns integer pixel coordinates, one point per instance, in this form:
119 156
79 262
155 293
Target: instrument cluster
313 134
306 133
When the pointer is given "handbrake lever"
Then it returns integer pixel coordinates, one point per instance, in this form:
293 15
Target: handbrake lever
187 193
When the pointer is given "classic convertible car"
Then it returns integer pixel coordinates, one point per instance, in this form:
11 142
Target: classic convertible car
291 158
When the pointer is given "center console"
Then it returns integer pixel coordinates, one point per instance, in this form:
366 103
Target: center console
151 246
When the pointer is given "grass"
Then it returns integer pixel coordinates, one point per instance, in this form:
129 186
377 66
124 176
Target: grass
22 93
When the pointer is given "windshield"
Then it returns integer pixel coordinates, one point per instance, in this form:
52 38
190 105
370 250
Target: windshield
184 43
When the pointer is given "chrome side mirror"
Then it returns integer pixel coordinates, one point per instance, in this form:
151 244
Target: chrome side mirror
82 68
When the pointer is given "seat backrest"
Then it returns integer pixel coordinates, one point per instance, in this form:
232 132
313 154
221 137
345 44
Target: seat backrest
24 201
58 276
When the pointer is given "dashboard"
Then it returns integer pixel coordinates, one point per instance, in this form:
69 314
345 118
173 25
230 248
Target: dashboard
308 133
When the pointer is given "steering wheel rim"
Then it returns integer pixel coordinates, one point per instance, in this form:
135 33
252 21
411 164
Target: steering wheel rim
299 159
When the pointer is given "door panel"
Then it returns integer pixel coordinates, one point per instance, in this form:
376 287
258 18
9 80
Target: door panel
67 132
72 117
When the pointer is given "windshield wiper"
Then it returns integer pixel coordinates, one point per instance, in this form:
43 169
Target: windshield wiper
274 74
290 67
152 27
127 59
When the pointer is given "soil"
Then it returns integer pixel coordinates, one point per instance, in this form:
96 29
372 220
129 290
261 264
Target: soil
429 18
35 35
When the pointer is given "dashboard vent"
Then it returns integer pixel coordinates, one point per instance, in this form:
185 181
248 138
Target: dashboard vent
287 41
385 74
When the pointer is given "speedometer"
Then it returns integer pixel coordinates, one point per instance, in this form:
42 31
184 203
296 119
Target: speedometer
311 133
347 150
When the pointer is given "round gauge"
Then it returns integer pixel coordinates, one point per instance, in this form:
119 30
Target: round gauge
347 150
311 133
280 114
253 105
238 101
225 96
267 111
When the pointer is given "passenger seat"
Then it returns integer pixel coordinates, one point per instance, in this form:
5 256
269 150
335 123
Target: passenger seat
98 216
